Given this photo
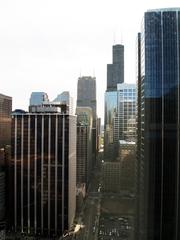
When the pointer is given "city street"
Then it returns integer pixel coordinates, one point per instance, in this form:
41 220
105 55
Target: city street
106 215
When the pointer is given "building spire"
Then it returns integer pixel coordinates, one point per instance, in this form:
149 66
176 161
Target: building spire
114 37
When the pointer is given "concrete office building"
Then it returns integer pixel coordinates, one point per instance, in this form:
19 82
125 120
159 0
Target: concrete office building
84 145
5 139
127 156
5 120
2 188
111 177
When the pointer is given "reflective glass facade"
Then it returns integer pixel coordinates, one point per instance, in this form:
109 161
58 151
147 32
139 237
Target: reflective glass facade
37 98
159 98
65 98
109 119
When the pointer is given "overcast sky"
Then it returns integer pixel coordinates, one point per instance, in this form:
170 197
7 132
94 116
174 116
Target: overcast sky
46 45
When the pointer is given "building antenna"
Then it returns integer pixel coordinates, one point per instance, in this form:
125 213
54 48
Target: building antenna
93 72
114 38
121 38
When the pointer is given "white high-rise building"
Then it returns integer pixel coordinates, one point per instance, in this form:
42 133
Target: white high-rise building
125 120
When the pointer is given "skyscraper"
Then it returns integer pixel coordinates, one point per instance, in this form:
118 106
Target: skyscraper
86 97
109 119
86 94
115 71
5 139
125 120
159 113
84 145
43 172
115 75
140 211
2 189
5 120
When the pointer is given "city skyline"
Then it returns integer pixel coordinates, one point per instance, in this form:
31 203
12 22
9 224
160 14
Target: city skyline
46 47
64 175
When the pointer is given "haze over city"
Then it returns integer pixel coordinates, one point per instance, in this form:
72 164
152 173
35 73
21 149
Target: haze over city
47 45
90 120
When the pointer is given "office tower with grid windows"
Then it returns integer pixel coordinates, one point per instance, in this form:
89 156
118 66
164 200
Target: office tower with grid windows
125 120
43 172
5 120
84 145
5 141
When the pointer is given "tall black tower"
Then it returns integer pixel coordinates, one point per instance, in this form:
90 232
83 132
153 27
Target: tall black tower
158 131
115 71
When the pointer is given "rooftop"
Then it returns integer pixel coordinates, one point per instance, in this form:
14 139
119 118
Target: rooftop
164 10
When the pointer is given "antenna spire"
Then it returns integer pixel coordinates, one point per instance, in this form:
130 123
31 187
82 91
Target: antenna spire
114 38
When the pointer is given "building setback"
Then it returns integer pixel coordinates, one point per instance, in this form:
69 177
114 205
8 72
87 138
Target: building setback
86 97
43 173
115 71
159 113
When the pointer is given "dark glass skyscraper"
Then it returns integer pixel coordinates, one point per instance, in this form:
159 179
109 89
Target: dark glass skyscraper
159 112
115 75
115 71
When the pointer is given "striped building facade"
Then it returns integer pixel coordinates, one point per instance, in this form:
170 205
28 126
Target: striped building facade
43 173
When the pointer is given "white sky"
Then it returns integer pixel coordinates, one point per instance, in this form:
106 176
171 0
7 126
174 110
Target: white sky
45 45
